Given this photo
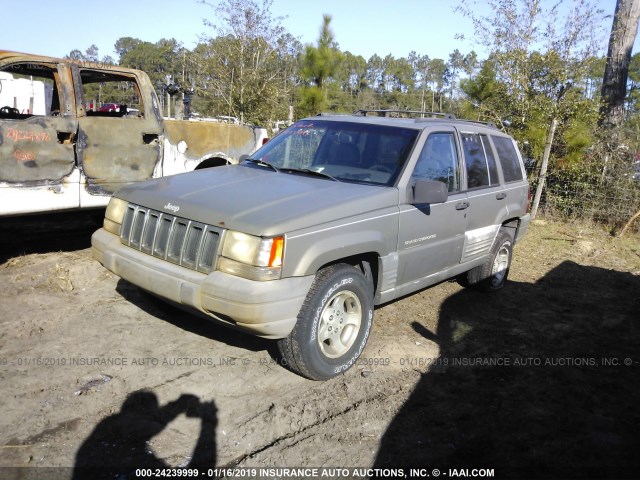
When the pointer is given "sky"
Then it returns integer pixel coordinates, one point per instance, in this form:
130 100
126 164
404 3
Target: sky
363 27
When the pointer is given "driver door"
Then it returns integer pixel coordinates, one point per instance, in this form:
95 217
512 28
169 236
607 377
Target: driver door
38 131
431 237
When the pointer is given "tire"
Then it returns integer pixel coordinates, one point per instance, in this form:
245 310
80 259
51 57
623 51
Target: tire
492 275
333 325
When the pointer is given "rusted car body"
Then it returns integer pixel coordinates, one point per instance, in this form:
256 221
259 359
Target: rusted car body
59 150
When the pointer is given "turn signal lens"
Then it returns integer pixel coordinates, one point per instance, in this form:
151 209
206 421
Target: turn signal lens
277 246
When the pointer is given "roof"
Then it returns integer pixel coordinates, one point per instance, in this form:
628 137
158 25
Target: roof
422 120
7 55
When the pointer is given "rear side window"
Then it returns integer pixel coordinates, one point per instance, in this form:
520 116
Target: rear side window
491 161
110 94
481 164
508 158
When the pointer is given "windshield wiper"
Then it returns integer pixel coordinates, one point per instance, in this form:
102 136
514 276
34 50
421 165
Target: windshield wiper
310 172
262 163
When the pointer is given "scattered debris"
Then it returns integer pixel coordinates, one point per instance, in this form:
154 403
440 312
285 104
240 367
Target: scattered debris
91 385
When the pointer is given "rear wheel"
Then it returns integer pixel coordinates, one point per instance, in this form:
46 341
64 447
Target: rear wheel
492 275
333 324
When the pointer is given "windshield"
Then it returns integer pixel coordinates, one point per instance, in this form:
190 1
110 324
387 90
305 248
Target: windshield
352 152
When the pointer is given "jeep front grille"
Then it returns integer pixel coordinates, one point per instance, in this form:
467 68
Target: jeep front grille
184 242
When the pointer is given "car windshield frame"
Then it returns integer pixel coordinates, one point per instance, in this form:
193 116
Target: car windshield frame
353 152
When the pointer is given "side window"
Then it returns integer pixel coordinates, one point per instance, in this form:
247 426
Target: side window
27 90
491 161
481 163
110 94
508 158
439 161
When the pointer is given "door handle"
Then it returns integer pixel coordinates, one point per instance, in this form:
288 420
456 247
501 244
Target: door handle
462 205
501 196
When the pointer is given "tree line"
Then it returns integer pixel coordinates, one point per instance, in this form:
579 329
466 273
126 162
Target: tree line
542 79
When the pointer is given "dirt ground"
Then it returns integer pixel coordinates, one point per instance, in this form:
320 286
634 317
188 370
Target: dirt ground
541 380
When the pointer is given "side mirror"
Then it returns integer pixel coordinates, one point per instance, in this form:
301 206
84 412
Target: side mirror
429 192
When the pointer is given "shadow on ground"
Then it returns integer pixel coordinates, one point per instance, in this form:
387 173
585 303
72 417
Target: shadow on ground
118 446
50 232
532 382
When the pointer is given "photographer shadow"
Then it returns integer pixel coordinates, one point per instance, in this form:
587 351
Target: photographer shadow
538 381
118 446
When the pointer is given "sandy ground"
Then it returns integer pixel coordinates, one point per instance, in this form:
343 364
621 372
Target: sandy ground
541 380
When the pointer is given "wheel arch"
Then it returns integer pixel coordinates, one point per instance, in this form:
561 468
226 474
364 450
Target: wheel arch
511 225
368 263
212 161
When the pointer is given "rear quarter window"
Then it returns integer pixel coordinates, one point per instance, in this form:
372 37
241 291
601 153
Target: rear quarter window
508 159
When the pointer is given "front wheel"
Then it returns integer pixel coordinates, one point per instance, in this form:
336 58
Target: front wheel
333 325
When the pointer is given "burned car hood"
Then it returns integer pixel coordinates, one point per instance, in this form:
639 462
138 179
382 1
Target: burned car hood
257 200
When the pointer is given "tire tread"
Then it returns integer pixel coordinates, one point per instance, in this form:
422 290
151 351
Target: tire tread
289 347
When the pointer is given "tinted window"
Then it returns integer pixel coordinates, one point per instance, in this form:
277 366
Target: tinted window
439 161
476 161
355 152
491 161
508 158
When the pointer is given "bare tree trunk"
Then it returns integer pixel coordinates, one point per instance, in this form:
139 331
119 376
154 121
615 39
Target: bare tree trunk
614 84
628 224
543 169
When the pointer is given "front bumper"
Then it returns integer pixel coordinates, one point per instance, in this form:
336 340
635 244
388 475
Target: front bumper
267 309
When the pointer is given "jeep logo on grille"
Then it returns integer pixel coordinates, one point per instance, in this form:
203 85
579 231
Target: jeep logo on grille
173 208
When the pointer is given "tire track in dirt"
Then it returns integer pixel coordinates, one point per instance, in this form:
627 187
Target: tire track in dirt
394 393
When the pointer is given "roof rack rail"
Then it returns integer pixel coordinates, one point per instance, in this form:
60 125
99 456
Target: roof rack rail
330 114
398 113
480 122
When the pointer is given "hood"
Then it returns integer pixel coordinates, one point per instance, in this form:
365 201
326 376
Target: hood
257 201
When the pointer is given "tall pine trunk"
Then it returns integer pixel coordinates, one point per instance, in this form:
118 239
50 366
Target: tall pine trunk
614 85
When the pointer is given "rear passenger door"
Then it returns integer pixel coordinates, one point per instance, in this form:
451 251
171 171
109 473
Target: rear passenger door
119 133
515 187
431 237
486 195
